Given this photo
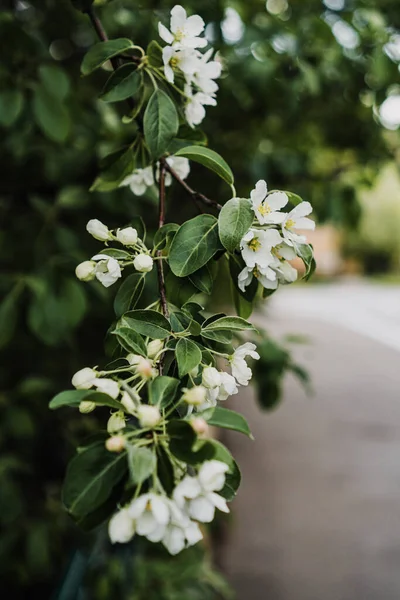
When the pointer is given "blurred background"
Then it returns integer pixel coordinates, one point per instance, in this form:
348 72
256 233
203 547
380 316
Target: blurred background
310 101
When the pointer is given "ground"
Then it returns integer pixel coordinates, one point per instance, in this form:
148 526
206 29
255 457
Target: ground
318 514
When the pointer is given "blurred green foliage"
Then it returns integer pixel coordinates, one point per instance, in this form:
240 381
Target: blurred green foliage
298 109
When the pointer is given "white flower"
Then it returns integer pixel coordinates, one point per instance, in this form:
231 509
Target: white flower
86 271
265 275
180 165
210 378
286 273
139 180
228 386
128 403
116 422
127 236
107 386
86 407
149 416
180 534
98 230
256 247
210 399
200 426
116 443
185 60
205 73
84 379
267 206
297 219
198 494
121 527
108 270
154 347
194 396
240 370
143 366
284 250
184 31
194 108
151 513
143 263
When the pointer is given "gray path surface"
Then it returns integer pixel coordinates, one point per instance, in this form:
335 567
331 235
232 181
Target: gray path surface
318 514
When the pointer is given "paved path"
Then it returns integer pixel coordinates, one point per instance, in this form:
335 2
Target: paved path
318 514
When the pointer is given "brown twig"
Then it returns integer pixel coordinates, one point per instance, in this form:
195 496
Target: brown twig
161 219
195 195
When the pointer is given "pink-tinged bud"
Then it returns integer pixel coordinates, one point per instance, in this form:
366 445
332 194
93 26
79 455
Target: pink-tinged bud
200 426
116 443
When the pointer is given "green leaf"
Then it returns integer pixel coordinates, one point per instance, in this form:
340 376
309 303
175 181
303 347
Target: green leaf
117 166
91 477
51 115
185 445
234 221
160 123
229 324
306 253
165 470
194 245
210 159
55 80
116 253
102 52
229 419
203 279
179 290
142 463
154 54
187 137
233 477
188 356
8 315
130 340
243 307
165 235
122 84
11 105
162 390
75 397
149 323
223 337
128 293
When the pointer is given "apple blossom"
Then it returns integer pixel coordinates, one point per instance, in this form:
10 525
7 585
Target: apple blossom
127 236
210 377
121 527
139 180
228 386
267 206
240 370
86 271
143 263
116 422
297 219
107 386
154 348
108 270
151 513
184 30
149 416
256 247
195 396
98 230
115 443
84 379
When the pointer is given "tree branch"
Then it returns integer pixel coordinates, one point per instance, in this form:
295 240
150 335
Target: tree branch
161 219
195 195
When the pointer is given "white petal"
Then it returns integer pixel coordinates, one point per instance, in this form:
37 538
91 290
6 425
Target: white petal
189 487
194 25
178 18
212 475
301 210
277 200
174 540
165 34
260 191
121 527
138 506
160 509
219 502
202 509
193 533
157 534
146 523
305 223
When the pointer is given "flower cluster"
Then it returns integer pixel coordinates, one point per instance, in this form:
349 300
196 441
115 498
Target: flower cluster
174 521
141 179
272 240
104 266
183 55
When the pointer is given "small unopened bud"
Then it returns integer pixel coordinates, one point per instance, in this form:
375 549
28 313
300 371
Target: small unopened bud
86 271
195 395
133 359
116 422
149 416
98 230
127 236
200 426
128 403
143 263
116 443
86 407
84 379
107 386
144 368
154 347
211 377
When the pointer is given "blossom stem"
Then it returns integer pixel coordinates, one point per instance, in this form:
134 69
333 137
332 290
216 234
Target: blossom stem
195 195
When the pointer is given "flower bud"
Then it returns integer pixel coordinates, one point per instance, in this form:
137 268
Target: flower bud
154 347
143 263
195 395
84 379
116 443
98 230
211 377
144 368
121 527
86 271
127 236
116 422
133 359
128 403
149 416
194 372
86 407
200 426
107 386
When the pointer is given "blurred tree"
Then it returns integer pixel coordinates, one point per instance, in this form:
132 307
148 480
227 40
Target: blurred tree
300 109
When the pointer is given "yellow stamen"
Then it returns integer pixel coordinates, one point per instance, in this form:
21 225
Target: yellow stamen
290 223
256 273
148 505
264 209
275 252
254 244
174 62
